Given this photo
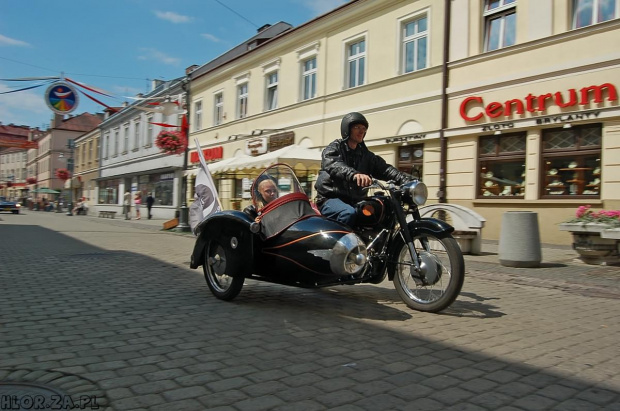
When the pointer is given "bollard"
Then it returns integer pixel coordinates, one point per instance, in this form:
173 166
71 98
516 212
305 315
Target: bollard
519 241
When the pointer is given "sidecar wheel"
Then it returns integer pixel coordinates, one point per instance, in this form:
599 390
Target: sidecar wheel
443 271
222 272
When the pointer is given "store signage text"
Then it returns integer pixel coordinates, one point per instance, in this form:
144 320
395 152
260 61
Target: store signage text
532 103
566 118
256 146
405 138
213 153
281 140
498 126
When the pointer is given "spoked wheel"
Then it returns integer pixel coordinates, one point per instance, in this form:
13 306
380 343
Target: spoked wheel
222 273
441 277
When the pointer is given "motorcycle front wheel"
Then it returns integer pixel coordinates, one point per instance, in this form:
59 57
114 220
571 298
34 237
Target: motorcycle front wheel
441 277
221 271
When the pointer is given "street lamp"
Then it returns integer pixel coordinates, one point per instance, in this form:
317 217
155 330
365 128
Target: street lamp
71 147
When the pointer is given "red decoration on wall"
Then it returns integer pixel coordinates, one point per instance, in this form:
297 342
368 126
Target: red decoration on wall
171 142
31 180
9 184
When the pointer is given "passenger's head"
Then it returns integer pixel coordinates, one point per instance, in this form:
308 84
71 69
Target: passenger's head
268 190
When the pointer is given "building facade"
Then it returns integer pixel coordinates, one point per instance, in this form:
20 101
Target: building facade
498 105
131 162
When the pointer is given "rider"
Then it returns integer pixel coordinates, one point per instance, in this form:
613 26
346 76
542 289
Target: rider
268 190
347 166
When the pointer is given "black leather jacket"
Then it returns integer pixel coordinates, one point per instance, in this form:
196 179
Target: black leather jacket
340 163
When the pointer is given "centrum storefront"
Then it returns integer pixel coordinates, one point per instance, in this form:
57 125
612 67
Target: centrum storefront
546 146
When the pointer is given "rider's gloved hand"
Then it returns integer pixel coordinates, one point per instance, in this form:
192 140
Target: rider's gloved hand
362 180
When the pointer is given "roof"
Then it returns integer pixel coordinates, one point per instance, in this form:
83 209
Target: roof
83 122
245 47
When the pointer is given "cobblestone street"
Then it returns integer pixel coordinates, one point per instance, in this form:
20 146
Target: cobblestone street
109 309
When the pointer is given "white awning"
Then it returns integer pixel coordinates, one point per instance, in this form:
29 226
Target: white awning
295 156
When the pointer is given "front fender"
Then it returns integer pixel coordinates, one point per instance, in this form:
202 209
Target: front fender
434 226
224 225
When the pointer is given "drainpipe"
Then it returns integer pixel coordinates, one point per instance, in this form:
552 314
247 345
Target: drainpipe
443 159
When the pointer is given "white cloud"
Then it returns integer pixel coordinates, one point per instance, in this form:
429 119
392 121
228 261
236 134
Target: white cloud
172 17
322 6
211 37
156 55
23 108
7 41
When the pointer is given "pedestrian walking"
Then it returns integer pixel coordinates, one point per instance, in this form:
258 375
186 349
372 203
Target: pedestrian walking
150 200
137 202
127 205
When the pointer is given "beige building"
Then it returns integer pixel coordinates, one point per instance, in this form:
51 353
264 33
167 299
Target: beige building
86 165
499 105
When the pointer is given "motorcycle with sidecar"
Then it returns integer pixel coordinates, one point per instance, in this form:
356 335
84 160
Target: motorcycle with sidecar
286 240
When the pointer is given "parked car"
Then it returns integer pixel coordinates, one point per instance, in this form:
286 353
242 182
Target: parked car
11 206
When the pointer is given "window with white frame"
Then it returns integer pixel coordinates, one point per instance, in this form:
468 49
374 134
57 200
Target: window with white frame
116 142
106 145
356 63
415 44
198 115
500 18
149 131
588 12
242 100
272 91
218 109
308 77
125 138
136 134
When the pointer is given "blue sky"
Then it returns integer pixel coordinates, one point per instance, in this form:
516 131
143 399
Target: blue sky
121 45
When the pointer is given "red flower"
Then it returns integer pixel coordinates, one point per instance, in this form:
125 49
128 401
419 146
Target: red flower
31 180
171 142
63 174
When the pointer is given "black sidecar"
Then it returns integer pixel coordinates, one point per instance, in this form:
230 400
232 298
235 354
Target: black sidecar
280 238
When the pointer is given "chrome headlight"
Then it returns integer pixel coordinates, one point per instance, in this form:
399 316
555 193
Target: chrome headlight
348 255
416 191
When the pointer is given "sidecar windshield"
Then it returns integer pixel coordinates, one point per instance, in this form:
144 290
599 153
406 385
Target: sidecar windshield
274 182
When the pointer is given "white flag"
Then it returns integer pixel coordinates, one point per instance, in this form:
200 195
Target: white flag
206 200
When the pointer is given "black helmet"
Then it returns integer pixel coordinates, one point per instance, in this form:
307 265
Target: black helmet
350 120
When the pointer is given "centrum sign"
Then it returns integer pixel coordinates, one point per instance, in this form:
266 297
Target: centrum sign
474 108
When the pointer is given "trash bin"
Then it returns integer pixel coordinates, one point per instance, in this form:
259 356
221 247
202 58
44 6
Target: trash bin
519 241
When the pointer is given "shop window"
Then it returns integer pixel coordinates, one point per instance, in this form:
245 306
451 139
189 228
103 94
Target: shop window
108 191
500 18
588 12
502 166
572 162
411 160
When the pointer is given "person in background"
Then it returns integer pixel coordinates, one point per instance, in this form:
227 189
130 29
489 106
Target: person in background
137 202
150 200
127 205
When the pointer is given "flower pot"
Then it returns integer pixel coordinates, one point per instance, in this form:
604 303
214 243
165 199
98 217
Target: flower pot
594 242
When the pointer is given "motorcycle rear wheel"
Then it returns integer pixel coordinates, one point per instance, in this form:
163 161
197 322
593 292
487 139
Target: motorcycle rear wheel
221 270
444 269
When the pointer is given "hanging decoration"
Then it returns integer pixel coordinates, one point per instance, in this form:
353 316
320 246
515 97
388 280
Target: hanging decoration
171 142
61 97
63 174
31 180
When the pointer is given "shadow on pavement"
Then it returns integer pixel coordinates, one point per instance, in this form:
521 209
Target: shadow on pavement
149 334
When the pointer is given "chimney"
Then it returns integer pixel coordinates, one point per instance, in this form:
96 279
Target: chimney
56 120
191 68
156 83
264 27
